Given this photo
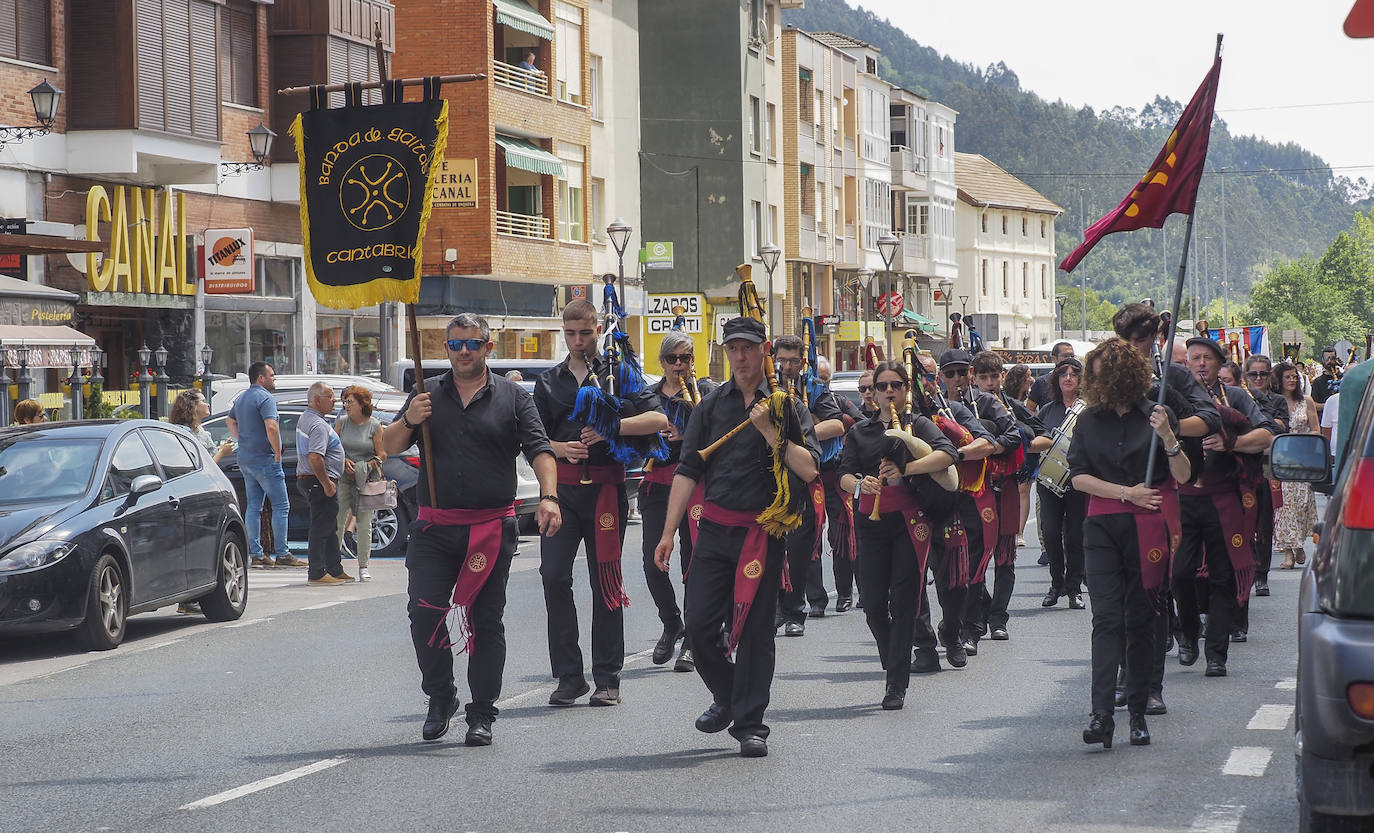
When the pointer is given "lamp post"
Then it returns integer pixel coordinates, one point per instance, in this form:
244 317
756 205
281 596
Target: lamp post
97 377
1225 303
145 378
1061 300
24 381
206 380
770 254
163 380
887 247
75 383
946 287
619 231
963 302
865 277
5 382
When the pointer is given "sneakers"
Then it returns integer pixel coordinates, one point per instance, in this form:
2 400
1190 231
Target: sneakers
263 561
327 579
188 607
685 660
345 577
364 574
290 560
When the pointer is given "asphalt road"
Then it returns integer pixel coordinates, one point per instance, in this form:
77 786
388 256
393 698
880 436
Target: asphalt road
305 716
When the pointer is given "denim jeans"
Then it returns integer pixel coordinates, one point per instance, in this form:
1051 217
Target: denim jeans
260 479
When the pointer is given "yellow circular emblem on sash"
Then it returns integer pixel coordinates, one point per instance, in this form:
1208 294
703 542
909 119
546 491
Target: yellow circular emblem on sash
477 562
1247 500
922 531
607 520
819 497
753 569
988 515
696 511
1236 540
1154 555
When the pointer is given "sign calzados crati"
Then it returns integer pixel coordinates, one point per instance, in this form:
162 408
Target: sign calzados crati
367 175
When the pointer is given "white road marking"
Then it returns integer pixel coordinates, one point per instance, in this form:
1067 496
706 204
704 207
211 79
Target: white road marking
1271 717
1289 684
153 647
245 623
323 605
1247 760
1218 818
258 786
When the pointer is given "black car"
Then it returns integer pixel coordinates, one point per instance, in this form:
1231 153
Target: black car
104 519
390 527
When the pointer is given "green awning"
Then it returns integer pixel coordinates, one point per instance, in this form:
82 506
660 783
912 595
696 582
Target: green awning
910 316
520 15
803 73
529 157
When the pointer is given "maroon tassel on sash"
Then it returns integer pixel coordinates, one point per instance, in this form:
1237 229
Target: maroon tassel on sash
607 520
845 522
986 502
817 489
1008 522
484 548
956 553
753 558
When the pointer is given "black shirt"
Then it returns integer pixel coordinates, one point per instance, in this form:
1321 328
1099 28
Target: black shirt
826 407
851 410
1324 386
989 407
739 474
1225 461
1273 405
866 445
475 447
965 417
1186 383
655 400
1040 391
1052 415
1115 448
555 396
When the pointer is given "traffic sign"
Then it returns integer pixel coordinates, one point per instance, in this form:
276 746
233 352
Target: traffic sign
657 255
890 304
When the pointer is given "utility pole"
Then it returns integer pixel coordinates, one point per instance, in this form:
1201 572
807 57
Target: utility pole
1225 276
1083 275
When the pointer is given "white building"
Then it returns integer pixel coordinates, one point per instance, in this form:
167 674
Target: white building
923 197
613 52
1005 245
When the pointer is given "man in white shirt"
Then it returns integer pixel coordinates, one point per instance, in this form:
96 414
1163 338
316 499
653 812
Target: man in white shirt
1330 414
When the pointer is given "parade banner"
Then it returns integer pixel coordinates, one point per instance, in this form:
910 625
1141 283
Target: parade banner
367 182
1170 186
1252 340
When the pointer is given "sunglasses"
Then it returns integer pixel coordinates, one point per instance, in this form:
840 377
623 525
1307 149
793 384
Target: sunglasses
956 371
886 386
457 345
677 358
1259 374
865 388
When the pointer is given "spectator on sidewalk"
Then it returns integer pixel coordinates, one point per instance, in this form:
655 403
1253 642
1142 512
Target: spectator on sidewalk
254 424
319 465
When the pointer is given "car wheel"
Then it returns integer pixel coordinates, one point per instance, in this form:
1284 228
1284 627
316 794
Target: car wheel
107 606
390 531
230 597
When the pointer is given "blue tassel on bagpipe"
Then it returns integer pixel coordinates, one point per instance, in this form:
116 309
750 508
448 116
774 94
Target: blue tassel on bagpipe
629 369
678 413
831 448
648 447
597 410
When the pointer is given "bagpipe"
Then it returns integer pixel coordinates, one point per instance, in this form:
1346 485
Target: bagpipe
948 478
972 473
1002 465
871 353
616 376
784 514
811 387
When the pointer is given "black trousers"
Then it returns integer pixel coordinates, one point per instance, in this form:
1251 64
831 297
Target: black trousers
1061 533
434 558
984 610
1204 542
953 600
1124 624
841 563
1264 537
892 585
556 556
324 555
653 513
745 684
804 573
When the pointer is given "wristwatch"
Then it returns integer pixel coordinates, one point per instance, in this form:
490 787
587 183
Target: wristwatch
407 423
1175 449
553 498
958 455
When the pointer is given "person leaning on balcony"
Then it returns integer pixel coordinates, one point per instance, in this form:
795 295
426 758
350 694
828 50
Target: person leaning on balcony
532 71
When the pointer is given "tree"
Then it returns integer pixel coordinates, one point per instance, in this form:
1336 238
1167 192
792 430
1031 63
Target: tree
1100 310
1293 296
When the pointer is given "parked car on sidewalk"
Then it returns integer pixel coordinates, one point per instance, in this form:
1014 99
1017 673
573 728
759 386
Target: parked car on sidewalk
1334 715
106 519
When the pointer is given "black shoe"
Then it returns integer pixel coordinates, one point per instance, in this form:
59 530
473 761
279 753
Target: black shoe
1261 587
924 661
1100 729
605 697
843 604
794 629
479 732
1154 704
1169 642
753 746
569 689
894 699
1051 598
1239 635
714 719
1000 635
1187 650
816 611
685 660
441 710
1215 669
970 646
955 655
1076 602
663 651
1043 561
1140 733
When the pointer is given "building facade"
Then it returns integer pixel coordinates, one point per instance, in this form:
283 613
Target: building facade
1006 255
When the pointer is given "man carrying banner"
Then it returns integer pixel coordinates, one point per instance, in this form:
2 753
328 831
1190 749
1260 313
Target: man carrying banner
591 492
465 536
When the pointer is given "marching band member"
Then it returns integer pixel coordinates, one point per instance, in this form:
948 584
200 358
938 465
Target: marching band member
1061 518
839 507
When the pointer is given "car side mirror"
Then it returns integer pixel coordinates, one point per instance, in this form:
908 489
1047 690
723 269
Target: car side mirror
145 483
1301 458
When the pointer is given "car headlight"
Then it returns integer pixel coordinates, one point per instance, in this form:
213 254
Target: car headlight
35 554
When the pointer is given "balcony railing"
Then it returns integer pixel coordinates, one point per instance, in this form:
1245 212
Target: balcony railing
522 225
904 159
531 81
913 245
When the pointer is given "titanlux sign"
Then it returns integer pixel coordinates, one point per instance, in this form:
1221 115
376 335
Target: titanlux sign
228 266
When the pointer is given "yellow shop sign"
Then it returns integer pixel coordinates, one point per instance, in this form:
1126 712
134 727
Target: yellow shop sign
147 246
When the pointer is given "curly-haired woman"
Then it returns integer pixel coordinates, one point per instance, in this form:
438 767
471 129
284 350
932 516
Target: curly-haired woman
1130 526
188 410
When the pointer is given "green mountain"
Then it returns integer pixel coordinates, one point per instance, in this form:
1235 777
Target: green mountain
1282 201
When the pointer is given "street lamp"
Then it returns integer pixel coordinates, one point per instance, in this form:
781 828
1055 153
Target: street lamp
260 141
865 278
4 385
145 377
619 231
24 381
1061 300
45 98
770 254
74 382
946 287
206 382
963 303
887 247
163 380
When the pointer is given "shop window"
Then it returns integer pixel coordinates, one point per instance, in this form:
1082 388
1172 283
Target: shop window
24 30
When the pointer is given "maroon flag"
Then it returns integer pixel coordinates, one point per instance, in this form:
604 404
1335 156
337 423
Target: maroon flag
1170 186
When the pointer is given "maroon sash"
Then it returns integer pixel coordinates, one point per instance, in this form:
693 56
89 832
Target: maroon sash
484 547
817 489
1238 513
956 553
753 558
695 506
1157 534
986 502
846 520
660 475
1276 492
900 500
605 478
1008 521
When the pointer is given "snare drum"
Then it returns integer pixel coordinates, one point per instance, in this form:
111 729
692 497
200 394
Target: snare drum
1053 472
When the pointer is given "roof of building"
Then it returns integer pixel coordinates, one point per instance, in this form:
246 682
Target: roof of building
982 182
840 40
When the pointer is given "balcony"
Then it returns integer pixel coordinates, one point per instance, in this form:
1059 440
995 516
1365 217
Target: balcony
519 78
909 171
847 250
528 226
912 255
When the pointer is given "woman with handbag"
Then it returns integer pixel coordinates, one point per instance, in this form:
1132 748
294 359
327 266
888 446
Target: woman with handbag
363 455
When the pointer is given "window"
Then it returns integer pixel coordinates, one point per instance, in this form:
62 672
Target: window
130 460
1004 224
1044 284
808 190
755 129
348 62
568 49
985 277
171 455
177 60
838 228
238 53
817 114
756 22
983 220
771 130
1025 280
940 141
1024 231
594 69
525 199
871 65
598 195
24 31
1006 280
1043 224
756 219
276 277
773 222
923 219
571 209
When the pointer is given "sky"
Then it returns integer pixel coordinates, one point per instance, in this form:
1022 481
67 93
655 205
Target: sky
1289 73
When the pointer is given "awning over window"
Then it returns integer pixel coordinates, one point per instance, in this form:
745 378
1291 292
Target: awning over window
529 157
803 73
520 15
910 316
